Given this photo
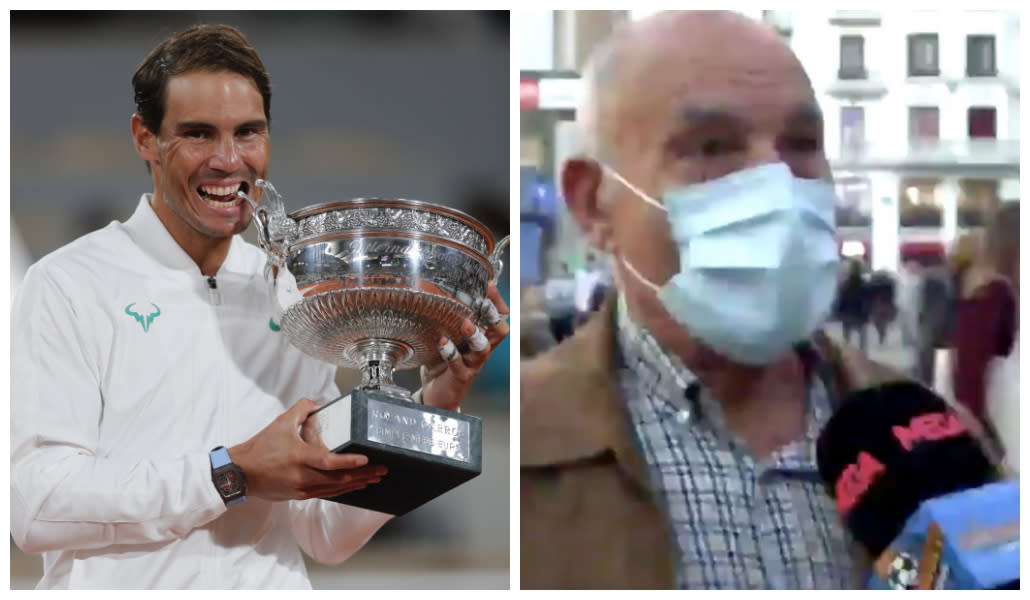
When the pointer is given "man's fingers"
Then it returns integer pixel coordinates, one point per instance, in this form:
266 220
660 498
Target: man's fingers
474 336
495 316
331 481
311 433
300 411
323 460
342 476
448 351
492 312
496 334
494 295
337 462
453 360
331 491
489 316
478 345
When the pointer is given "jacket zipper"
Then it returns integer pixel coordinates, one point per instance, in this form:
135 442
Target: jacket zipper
215 567
212 291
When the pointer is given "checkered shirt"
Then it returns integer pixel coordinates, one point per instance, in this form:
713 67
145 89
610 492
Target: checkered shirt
739 523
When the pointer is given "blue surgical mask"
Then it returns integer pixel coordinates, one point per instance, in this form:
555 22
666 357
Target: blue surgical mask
758 260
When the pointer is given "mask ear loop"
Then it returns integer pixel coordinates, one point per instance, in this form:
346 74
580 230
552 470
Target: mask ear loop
646 198
654 288
643 196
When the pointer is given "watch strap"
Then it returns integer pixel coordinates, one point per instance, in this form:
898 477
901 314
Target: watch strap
220 457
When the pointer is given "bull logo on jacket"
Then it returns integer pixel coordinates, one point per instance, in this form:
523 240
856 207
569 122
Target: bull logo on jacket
144 321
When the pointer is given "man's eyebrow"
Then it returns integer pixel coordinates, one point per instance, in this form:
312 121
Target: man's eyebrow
187 125
255 124
710 115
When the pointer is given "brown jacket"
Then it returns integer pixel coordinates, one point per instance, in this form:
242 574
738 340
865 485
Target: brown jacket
588 517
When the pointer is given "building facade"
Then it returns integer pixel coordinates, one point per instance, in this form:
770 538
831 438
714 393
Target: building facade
921 112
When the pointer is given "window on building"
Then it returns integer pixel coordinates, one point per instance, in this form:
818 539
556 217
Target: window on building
852 130
924 125
917 203
852 57
980 56
982 122
977 199
923 57
854 201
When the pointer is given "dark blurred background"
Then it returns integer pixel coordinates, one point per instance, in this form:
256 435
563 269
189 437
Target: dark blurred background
364 103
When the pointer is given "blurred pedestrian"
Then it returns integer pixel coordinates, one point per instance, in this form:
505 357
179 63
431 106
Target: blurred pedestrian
963 255
853 305
935 320
880 295
987 322
910 283
560 303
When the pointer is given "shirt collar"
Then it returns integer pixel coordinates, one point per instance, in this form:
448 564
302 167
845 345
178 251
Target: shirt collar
639 353
151 235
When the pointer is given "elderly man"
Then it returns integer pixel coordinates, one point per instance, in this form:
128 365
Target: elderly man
670 443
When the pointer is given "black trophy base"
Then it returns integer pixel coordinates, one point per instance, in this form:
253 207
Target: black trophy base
427 451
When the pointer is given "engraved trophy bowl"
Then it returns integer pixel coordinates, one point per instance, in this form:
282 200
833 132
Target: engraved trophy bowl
373 284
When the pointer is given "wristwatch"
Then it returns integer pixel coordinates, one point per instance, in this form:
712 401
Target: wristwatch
227 477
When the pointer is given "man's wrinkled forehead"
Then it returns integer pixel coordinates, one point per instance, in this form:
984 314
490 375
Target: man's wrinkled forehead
685 71
705 42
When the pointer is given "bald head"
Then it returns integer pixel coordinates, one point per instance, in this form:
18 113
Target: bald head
622 73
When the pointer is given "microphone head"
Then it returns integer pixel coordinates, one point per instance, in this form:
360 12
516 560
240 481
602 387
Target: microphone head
889 448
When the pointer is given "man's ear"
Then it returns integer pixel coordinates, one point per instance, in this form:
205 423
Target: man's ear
143 139
581 181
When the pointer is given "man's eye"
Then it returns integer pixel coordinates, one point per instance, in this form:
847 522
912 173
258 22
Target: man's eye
247 132
714 147
196 134
802 144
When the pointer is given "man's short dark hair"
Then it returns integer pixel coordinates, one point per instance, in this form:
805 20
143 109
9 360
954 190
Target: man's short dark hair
200 48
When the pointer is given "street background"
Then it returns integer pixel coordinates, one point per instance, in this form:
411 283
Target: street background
921 111
364 103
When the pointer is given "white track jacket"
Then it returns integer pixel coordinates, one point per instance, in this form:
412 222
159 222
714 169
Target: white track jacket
125 373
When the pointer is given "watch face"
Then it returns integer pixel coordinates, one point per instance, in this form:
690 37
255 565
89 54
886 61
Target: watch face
229 483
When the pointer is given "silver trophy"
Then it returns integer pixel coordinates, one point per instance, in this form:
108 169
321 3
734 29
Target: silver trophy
373 284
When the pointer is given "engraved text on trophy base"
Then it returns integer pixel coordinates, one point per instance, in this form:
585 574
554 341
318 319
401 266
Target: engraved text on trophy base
417 430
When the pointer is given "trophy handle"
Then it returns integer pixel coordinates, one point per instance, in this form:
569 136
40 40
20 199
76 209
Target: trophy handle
261 222
495 257
274 228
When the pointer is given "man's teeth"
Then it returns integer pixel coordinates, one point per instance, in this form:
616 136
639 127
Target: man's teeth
229 190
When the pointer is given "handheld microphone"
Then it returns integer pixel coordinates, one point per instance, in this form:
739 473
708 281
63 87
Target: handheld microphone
915 488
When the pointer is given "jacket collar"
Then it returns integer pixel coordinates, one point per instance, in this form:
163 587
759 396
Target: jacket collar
149 234
571 408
